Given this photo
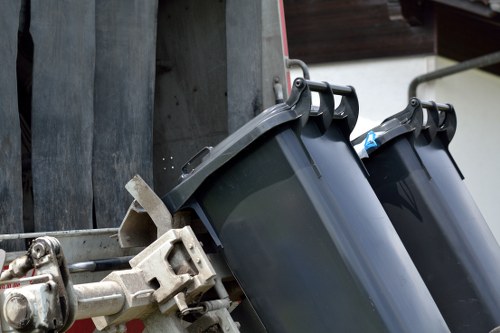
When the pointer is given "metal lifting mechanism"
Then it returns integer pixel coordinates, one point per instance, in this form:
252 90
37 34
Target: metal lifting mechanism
169 276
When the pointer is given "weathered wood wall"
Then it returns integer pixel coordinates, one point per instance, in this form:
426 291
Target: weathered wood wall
244 61
91 110
123 103
191 83
216 62
62 113
10 132
123 87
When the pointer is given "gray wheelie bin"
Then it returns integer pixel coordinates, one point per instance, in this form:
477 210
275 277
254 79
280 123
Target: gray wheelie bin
422 191
300 227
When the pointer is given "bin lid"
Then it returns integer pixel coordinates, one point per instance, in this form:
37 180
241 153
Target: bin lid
294 112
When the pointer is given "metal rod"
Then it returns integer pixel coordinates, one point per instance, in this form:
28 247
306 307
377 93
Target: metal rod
321 86
220 289
301 64
100 265
483 61
98 299
56 234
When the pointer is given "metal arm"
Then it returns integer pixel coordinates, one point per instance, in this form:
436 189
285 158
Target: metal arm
168 277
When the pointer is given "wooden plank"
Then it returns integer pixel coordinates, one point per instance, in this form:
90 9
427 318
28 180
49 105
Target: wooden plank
62 112
190 100
453 41
330 30
124 96
10 132
273 58
244 61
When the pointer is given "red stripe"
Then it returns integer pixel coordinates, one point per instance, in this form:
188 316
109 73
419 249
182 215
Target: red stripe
283 27
284 40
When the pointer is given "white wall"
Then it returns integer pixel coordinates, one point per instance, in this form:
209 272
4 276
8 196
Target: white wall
382 87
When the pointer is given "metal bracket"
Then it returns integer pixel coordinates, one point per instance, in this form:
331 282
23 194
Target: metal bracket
44 302
220 317
174 270
147 217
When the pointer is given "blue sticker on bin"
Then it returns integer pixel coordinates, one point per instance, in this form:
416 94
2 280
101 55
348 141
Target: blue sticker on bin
370 140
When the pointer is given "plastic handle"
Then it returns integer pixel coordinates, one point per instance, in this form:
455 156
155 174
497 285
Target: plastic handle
322 86
438 106
202 153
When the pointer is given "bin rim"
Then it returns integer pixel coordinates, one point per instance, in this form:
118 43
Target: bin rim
296 108
295 112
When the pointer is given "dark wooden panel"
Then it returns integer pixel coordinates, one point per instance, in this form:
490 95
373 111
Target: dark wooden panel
244 61
62 112
332 30
124 94
462 35
10 133
190 101
273 58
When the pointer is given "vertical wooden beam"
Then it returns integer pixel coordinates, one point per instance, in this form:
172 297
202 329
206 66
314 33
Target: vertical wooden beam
273 58
124 95
190 97
62 112
244 61
10 132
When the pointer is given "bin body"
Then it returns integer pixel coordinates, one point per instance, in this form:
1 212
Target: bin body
422 191
305 235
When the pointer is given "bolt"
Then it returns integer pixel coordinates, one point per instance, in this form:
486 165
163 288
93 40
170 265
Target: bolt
38 250
18 312
298 83
413 102
198 260
190 246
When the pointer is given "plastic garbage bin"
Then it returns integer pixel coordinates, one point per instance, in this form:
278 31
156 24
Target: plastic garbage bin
301 228
422 191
